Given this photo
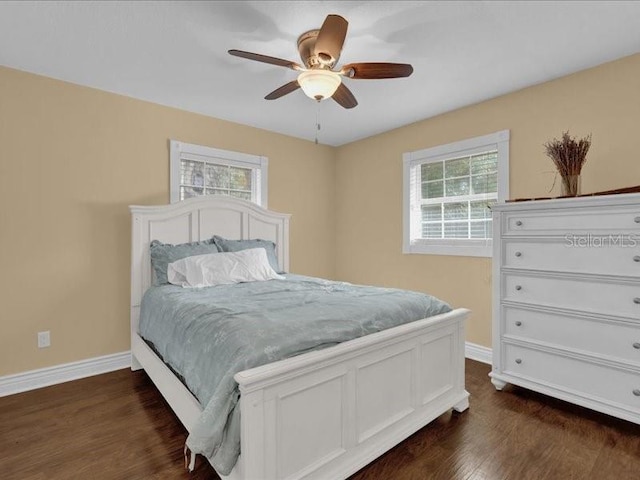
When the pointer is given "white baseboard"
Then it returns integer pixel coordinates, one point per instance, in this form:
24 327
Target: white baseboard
43 377
478 352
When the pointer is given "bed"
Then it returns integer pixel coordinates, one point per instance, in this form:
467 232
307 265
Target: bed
322 414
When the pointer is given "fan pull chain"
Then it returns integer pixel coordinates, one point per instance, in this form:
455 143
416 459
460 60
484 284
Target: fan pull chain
317 121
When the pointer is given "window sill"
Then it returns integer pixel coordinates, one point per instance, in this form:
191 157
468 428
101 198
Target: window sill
471 249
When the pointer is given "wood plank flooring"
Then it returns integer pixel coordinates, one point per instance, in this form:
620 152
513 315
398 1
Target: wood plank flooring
117 426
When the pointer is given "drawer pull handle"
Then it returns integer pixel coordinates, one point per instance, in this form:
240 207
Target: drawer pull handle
519 361
518 254
636 346
637 219
636 258
519 323
636 300
518 287
636 392
518 223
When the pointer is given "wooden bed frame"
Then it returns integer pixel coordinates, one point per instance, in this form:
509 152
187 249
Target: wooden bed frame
323 414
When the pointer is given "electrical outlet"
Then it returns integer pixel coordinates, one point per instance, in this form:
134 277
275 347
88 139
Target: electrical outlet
44 339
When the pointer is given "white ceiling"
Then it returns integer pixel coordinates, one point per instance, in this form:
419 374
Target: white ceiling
175 53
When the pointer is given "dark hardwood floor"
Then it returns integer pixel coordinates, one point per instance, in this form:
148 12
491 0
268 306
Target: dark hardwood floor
117 426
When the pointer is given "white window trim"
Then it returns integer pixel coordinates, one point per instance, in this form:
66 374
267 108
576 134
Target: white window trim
465 247
180 150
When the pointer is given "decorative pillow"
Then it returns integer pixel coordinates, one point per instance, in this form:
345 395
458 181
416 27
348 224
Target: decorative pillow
222 269
237 245
162 254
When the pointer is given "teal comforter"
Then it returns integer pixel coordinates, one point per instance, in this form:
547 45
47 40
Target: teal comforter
207 335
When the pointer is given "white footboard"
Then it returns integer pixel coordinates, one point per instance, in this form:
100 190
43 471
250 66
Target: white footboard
326 414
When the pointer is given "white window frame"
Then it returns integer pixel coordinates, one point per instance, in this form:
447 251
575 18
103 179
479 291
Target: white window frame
179 151
411 202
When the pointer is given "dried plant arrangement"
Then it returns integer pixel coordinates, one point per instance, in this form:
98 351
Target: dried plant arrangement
569 156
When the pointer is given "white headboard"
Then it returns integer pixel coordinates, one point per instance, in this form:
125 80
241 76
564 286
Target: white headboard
198 219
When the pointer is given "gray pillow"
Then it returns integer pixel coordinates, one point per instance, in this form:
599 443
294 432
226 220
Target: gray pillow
162 254
236 245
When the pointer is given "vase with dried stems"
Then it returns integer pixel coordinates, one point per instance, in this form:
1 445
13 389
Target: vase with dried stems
569 156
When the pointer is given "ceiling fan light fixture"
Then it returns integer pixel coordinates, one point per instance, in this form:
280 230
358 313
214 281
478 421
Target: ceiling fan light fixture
320 50
319 84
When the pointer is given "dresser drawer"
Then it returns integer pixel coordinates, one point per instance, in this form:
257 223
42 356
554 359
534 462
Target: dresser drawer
587 295
606 384
619 341
573 220
601 256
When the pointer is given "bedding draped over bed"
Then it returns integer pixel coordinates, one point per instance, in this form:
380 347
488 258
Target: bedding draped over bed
208 335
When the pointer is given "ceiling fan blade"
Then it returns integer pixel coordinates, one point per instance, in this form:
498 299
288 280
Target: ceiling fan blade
376 70
331 38
344 97
283 90
266 59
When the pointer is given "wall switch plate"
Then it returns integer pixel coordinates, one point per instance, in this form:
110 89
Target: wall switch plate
44 339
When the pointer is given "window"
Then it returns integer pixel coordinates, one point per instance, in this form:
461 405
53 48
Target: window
448 191
198 170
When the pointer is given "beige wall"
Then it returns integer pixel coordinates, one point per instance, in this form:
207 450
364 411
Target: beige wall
71 161
604 101
73 158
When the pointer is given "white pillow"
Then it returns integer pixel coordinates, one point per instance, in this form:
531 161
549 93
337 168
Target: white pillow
222 269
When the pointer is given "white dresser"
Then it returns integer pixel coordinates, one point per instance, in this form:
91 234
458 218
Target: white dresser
566 300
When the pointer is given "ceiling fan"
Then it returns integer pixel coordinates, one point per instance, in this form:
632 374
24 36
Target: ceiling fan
320 51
